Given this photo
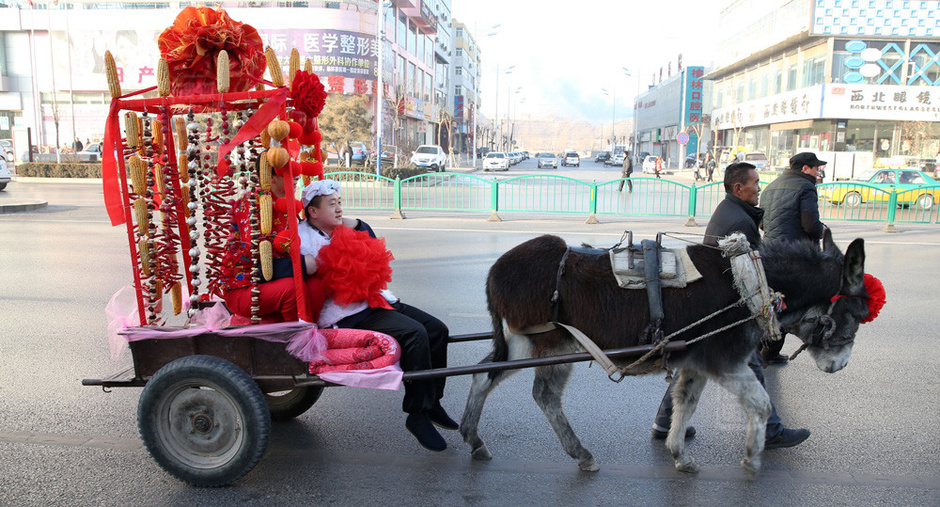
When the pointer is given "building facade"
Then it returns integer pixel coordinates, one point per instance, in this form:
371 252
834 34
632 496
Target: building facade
465 76
855 80
671 116
54 89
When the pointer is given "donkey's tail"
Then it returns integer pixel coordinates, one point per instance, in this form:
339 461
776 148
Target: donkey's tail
500 347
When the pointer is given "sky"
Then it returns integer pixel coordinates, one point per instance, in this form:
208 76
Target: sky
565 53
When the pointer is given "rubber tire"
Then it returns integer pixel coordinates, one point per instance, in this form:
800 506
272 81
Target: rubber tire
190 393
852 200
925 202
3 185
292 403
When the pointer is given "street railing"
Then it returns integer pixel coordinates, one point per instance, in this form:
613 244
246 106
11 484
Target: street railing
543 193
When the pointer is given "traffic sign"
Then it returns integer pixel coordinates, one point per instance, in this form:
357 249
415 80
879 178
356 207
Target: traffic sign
682 138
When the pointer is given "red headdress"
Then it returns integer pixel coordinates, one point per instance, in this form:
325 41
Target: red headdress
876 297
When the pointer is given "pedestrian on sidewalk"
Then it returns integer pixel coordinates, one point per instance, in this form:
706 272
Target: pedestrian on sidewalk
627 171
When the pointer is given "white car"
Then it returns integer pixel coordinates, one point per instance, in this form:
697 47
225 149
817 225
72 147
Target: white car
755 158
649 164
5 176
6 148
431 156
496 161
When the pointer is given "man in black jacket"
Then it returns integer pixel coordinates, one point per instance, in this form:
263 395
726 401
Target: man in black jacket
627 171
791 213
737 212
791 210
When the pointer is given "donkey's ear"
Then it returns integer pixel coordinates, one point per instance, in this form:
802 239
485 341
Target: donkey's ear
853 267
828 243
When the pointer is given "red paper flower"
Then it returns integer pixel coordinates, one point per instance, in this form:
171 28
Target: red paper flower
876 297
308 93
355 267
193 43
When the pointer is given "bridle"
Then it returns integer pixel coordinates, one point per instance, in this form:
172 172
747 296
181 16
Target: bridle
825 327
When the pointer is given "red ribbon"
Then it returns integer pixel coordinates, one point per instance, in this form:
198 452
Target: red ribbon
253 127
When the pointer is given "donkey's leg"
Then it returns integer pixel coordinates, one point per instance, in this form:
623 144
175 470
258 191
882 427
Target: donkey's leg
752 396
685 395
480 388
547 390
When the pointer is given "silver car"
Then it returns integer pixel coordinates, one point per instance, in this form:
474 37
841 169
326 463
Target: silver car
496 161
547 160
5 176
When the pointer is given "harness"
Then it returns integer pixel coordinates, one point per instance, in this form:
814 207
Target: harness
750 282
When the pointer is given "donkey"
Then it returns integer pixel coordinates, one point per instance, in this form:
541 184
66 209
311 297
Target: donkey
519 291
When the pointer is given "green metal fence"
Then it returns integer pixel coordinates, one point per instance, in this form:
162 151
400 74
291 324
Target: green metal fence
543 193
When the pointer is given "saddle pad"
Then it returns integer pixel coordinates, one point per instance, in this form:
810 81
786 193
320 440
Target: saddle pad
676 268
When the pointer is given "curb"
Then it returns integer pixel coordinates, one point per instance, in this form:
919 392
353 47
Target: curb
23 206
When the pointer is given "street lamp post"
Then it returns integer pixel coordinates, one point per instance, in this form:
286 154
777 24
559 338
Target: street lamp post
379 102
613 120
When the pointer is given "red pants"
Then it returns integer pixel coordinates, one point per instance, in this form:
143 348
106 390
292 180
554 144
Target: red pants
277 300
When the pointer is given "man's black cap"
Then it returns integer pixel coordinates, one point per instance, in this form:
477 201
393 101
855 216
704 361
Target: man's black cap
806 158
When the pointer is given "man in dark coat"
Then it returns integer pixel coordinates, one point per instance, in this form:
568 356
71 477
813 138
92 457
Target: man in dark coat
737 212
791 213
791 210
627 171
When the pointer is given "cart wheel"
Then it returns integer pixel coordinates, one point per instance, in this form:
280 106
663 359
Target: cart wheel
204 420
286 405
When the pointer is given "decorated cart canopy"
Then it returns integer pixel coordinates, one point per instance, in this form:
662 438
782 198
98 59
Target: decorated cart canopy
213 132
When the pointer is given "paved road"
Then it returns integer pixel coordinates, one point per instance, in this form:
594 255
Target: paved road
875 424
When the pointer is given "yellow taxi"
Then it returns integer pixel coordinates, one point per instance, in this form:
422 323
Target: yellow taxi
913 187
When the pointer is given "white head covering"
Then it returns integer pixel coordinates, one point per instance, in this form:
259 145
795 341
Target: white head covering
315 188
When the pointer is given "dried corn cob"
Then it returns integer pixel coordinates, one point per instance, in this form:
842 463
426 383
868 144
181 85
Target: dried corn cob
138 170
294 64
264 174
176 292
141 149
130 128
274 67
259 87
114 84
266 212
184 191
163 78
158 289
267 259
140 211
156 130
144 252
222 72
159 178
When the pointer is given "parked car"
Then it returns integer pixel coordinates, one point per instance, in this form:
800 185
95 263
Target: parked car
5 176
617 159
877 185
756 158
431 156
496 161
525 155
6 148
571 158
603 156
547 159
360 152
91 153
691 160
649 164
388 158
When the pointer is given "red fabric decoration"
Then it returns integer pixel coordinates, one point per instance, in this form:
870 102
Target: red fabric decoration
876 297
295 130
356 349
308 139
282 242
355 267
308 93
193 43
312 169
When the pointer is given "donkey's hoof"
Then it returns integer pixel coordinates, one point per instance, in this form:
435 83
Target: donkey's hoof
588 465
481 453
751 467
686 465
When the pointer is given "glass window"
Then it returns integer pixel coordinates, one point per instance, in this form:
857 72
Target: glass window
778 81
401 38
427 87
459 32
791 78
412 40
412 85
402 82
752 89
458 52
458 71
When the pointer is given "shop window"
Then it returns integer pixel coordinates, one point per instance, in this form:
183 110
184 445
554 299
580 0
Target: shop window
778 82
791 78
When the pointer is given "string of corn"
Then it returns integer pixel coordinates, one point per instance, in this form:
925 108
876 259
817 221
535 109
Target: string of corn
156 133
222 72
138 174
266 212
264 174
267 259
176 293
130 128
274 67
144 252
114 84
159 178
140 211
294 64
308 66
163 78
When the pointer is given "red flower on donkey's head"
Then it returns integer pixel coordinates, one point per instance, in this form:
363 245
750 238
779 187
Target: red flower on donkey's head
193 43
